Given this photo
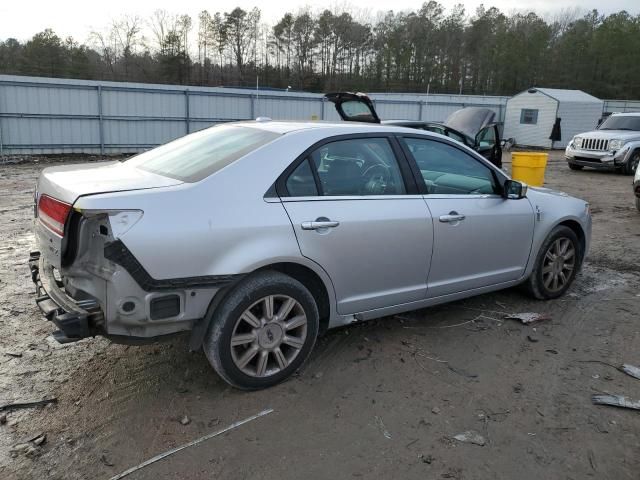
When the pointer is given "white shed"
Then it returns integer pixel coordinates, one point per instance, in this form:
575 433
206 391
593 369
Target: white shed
530 116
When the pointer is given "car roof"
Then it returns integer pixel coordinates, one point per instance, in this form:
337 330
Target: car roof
283 127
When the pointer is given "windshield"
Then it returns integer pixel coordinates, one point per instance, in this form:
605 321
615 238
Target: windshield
619 122
200 154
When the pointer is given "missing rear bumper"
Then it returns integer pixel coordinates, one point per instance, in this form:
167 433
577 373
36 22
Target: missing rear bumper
75 320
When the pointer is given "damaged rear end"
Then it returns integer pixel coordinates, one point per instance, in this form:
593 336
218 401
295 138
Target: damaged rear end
74 278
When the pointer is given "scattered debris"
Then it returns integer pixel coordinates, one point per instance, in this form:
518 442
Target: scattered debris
382 428
435 410
3 419
190 444
13 354
471 436
532 339
106 461
426 459
631 370
411 443
528 318
551 350
616 401
592 460
185 420
317 375
459 371
16 406
39 439
25 449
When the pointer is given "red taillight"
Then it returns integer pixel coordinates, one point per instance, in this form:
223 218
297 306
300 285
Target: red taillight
53 213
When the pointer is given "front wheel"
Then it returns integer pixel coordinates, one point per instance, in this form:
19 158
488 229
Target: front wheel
263 331
557 264
573 166
638 203
632 164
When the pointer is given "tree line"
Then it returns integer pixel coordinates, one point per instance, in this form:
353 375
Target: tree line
427 50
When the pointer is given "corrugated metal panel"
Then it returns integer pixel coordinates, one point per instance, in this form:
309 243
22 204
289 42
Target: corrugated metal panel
621 106
530 135
46 115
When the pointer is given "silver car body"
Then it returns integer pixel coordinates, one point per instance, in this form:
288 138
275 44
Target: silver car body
389 253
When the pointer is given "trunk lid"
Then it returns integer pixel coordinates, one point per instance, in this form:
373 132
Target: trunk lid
354 107
68 182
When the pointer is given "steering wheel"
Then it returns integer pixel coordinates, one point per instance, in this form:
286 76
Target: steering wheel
376 178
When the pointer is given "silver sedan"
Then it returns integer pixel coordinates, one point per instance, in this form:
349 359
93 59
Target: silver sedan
256 236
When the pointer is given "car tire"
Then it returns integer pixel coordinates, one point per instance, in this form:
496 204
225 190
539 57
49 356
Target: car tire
638 203
632 164
573 166
263 331
542 283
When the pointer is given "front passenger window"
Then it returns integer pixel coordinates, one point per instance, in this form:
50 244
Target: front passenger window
446 169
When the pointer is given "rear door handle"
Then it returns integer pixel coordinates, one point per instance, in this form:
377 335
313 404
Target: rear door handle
452 217
317 225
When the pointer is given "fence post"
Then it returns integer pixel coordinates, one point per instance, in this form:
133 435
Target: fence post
100 120
420 106
322 101
253 107
186 112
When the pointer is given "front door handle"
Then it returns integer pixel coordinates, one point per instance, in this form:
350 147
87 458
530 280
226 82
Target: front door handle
319 224
453 217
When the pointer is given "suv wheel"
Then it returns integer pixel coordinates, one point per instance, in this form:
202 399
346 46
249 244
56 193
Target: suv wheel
557 264
632 164
573 166
263 331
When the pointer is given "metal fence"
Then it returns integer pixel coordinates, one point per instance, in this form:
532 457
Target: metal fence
48 116
44 115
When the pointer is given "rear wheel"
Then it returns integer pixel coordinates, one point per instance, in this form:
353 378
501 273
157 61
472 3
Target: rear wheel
557 264
573 166
638 203
263 331
632 164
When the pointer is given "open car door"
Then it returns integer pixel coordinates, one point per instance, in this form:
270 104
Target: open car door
354 107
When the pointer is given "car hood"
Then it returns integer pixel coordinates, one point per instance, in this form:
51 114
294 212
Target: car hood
609 134
471 120
69 182
548 191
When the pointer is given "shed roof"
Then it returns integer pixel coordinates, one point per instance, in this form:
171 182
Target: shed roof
562 95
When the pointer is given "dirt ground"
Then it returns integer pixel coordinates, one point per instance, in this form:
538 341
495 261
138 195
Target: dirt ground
379 400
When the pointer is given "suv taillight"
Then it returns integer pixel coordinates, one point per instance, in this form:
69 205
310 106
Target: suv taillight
53 213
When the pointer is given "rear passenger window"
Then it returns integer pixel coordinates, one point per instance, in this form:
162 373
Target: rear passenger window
360 166
301 182
448 170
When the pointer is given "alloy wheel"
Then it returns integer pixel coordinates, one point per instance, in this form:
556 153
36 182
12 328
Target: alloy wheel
268 335
559 263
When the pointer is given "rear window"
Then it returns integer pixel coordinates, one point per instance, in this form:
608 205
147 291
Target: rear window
200 154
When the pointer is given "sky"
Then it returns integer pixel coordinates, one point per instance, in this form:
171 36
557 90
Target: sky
79 18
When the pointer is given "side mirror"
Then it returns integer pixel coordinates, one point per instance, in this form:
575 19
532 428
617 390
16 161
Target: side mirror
514 190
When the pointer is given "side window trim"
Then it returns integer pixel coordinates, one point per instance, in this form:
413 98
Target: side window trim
422 187
316 176
412 187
